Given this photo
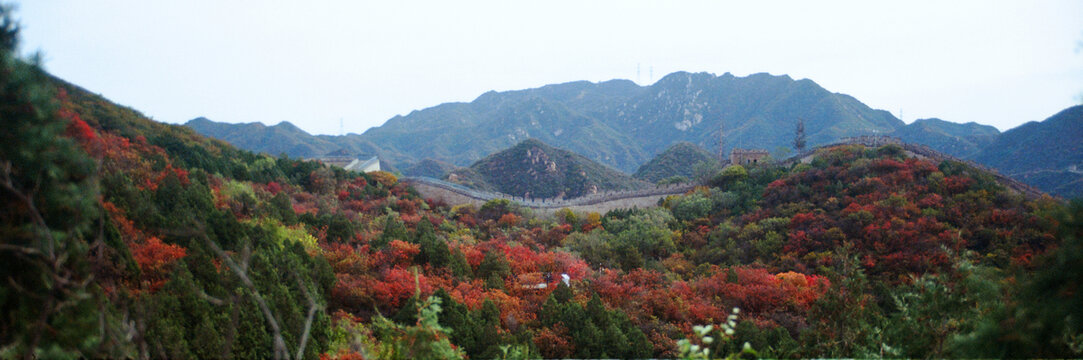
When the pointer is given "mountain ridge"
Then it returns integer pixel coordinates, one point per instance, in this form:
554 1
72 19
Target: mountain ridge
604 121
1042 153
624 125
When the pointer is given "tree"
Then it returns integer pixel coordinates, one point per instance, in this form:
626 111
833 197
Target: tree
48 208
434 250
1047 320
393 230
799 136
427 339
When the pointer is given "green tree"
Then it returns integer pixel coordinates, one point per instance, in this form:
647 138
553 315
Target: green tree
427 339
394 229
1047 319
47 211
434 249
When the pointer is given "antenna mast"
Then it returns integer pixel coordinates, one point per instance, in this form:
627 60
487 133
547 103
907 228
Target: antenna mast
341 129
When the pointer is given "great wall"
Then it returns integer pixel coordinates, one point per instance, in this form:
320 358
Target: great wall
602 202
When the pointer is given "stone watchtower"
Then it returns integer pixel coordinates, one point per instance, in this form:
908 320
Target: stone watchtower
747 156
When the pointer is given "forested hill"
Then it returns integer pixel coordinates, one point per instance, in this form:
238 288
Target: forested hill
536 170
121 237
146 240
680 160
616 123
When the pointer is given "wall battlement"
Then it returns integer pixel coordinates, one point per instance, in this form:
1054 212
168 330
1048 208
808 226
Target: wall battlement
457 194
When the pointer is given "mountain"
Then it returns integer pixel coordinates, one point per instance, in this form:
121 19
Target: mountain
617 123
284 138
430 168
534 169
757 111
567 115
959 140
679 159
1046 154
123 238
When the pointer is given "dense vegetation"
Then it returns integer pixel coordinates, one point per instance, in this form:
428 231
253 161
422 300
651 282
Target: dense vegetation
536 170
123 237
681 160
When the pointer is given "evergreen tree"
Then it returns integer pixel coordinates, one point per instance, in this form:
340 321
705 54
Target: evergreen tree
434 250
459 266
394 229
589 342
494 264
486 329
563 294
48 208
596 310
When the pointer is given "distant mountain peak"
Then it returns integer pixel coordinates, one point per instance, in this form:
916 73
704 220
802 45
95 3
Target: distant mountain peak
286 125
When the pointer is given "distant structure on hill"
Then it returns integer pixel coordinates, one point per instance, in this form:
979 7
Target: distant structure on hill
747 156
352 163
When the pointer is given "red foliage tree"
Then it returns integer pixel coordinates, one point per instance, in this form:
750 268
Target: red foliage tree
155 260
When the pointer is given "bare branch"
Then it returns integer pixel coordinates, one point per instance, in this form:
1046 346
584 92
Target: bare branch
312 307
21 249
28 200
279 343
211 299
246 255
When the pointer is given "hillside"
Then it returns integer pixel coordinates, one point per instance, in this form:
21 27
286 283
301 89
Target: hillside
187 222
435 169
1042 153
616 123
534 169
679 159
127 238
959 140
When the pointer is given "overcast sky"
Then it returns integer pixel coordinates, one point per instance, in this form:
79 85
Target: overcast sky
315 62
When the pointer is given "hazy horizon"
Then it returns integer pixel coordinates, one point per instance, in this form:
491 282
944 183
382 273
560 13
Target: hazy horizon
1000 64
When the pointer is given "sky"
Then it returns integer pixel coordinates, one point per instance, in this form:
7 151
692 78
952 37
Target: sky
344 66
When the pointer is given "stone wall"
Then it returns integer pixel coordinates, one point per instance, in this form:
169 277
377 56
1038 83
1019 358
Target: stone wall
455 194
747 156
